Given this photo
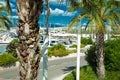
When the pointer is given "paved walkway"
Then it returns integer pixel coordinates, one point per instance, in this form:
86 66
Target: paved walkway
59 67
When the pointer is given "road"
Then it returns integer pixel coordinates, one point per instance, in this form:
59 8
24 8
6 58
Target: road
56 68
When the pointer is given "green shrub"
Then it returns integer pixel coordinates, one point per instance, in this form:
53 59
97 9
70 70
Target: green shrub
73 46
71 51
57 50
112 75
6 59
82 45
71 76
11 48
87 73
86 41
90 57
113 36
112 55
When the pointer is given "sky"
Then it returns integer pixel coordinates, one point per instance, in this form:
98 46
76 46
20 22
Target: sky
59 13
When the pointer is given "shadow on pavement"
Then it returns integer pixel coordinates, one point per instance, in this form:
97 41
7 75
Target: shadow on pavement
68 69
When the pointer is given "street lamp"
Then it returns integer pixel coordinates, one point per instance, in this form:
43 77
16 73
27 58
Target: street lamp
78 54
78 50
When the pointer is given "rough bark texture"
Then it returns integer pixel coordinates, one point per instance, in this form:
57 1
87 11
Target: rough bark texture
28 49
100 68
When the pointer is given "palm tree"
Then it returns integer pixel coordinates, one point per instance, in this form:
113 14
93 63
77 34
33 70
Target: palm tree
28 49
98 12
5 22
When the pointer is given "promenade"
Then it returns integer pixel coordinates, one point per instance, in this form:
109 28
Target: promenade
57 68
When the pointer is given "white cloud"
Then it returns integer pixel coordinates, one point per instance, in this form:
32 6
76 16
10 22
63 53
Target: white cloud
12 5
56 11
66 13
14 10
61 12
15 17
58 1
53 0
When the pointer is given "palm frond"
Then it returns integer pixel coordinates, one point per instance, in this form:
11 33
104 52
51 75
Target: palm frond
2 8
8 7
74 21
98 11
2 23
92 26
6 22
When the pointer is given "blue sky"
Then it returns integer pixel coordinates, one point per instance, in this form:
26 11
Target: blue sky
59 13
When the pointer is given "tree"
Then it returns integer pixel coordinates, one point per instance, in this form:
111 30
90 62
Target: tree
5 22
28 34
98 12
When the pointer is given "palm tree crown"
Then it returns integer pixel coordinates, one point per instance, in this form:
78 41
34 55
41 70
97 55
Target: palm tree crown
98 12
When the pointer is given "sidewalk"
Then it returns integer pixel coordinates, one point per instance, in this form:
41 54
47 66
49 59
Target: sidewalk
61 77
68 56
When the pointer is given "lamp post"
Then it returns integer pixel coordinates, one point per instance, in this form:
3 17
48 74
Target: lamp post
78 50
78 54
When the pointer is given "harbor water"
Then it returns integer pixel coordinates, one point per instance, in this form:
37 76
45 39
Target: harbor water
3 48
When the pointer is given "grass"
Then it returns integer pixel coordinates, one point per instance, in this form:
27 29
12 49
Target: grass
86 73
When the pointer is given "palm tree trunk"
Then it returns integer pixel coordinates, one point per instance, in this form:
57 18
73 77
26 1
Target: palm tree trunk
100 68
28 49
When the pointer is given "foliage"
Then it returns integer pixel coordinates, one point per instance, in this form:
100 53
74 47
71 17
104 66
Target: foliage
82 45
112 55
73 46
6 59
71 76
5 22
57 50
113 36
71 51
11 48
86 73
86 41
112 75
91 10
90 57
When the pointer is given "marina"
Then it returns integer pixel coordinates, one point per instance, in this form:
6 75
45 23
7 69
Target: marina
3 48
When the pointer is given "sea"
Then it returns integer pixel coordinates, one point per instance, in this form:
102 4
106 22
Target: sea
3 48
